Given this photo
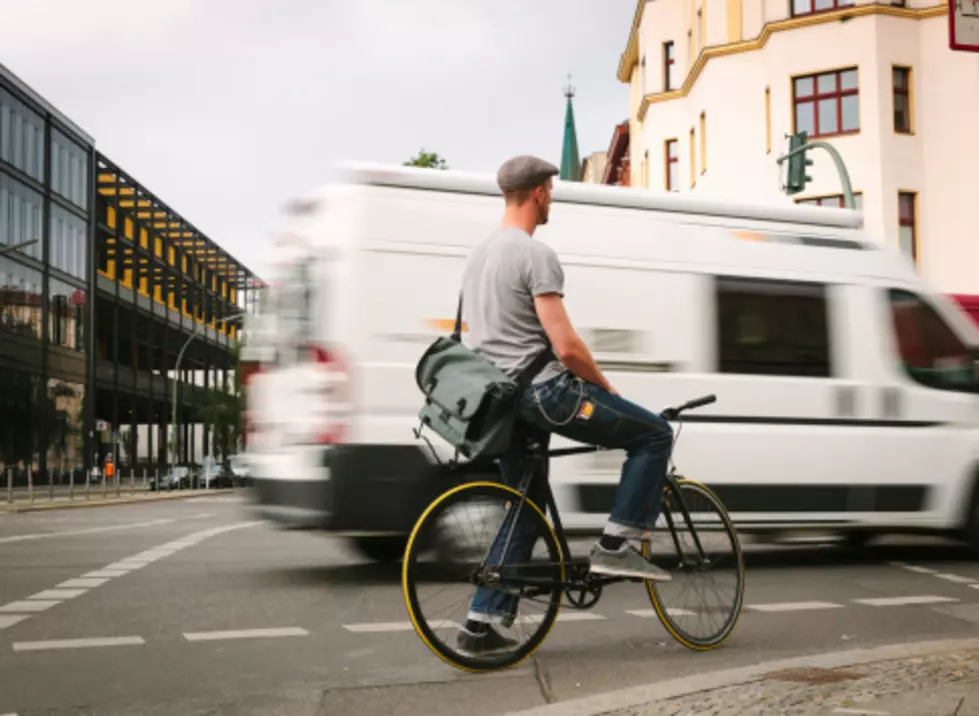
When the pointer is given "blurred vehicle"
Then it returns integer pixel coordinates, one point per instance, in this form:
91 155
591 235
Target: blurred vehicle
847 387
239 469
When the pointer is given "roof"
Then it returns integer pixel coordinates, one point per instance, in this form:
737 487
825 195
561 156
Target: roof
33 97
602 195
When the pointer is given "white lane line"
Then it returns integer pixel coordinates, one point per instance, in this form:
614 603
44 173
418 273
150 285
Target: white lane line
920 570
8 620
245 634
792 606
861 712
674 612
90 530
33 605
77 643
374 627
82 583
956 578
105 573
58 594
901 601
561 617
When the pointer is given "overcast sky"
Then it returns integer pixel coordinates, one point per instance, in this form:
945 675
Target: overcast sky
226 108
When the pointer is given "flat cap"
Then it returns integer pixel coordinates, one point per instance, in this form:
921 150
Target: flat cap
524 172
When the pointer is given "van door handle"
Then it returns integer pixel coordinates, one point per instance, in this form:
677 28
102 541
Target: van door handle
891 402
846 400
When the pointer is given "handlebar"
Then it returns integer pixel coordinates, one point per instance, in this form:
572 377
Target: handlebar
674 412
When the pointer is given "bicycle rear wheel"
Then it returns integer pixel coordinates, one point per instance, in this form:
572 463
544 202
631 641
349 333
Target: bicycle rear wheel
675 550
458 531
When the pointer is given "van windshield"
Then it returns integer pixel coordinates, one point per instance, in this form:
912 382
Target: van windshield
290 306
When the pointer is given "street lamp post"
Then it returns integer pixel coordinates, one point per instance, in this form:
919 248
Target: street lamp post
173 401
15 247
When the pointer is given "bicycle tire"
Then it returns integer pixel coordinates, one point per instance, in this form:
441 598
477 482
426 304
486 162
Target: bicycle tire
652 587
451 656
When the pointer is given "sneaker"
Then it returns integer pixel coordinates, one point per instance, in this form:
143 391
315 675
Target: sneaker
484 643
625 562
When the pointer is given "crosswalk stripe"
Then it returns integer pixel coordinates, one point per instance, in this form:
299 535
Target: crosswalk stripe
793 606
245 634
900 601
395 626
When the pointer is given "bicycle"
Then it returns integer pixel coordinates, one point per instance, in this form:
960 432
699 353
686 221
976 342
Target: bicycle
525 584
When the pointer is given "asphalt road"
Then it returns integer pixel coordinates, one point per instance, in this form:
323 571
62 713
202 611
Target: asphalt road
191 607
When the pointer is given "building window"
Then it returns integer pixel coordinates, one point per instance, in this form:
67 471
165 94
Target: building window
827 104
21 299
834 201
669 62
68 243
693 159
807 7
20 217
902 99
768 120
69 169
930 352
772 328
907 230
21 136
703 142
66 315
672 166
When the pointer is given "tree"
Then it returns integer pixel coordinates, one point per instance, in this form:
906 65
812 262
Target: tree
427 160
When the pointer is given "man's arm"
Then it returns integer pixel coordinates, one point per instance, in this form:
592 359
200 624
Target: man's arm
570 349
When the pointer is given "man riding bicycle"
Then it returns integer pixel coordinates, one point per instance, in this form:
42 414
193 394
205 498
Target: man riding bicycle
513 288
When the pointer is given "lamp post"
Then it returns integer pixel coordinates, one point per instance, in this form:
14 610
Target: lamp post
15 247
173 401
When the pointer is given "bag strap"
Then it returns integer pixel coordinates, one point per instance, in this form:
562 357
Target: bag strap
528 373
456 334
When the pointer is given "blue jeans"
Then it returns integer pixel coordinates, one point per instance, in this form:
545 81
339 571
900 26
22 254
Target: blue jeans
587 414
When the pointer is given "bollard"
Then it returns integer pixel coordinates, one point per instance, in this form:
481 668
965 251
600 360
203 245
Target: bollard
144 478
105 484
71 485
88 484
30 483
50 485
118 476
10 484
132 481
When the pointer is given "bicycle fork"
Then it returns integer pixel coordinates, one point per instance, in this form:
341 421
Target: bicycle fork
675 490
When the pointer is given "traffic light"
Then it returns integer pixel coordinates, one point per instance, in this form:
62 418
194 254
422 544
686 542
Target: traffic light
796 178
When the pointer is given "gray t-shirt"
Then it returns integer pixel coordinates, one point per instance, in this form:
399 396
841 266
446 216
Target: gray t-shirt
502 276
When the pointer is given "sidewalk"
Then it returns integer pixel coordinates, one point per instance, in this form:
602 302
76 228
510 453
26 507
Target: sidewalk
923 679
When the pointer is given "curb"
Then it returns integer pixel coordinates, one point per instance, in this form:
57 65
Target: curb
684 686
15 508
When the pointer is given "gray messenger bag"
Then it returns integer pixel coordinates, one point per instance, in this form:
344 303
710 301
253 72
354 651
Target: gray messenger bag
469 402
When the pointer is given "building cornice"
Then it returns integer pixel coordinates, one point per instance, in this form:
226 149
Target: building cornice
630 58
771 28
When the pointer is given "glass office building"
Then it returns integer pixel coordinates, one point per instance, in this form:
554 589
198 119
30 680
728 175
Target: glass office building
101 285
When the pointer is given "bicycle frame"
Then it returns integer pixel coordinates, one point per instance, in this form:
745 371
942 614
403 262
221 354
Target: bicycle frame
539 458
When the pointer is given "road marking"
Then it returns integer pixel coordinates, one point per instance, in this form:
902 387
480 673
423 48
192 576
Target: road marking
793 606
956 578
8 620
82 583
90 530
920 570
674 612
369 627
35 605
245 634
861 712
561 617
103 573
77 643
58 594
899 601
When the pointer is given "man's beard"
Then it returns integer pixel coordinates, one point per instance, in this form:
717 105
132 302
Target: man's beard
542 217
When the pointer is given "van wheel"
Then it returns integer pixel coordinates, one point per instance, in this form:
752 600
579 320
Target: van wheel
386 549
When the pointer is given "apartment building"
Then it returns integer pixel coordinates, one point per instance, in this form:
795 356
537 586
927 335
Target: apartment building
716 86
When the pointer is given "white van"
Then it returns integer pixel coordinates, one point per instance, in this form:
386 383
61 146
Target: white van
847 389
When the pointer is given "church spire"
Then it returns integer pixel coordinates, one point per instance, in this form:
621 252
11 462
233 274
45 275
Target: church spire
570 163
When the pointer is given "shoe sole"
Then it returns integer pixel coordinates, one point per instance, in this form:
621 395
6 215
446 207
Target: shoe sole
618 572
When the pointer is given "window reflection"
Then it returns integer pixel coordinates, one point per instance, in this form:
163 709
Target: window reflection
21 395
21 300
66 315
65 421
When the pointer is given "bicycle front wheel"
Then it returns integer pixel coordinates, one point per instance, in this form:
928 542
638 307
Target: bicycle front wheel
696 541
444 566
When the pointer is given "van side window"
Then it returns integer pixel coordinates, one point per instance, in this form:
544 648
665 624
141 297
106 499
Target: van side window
772 327
929 350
